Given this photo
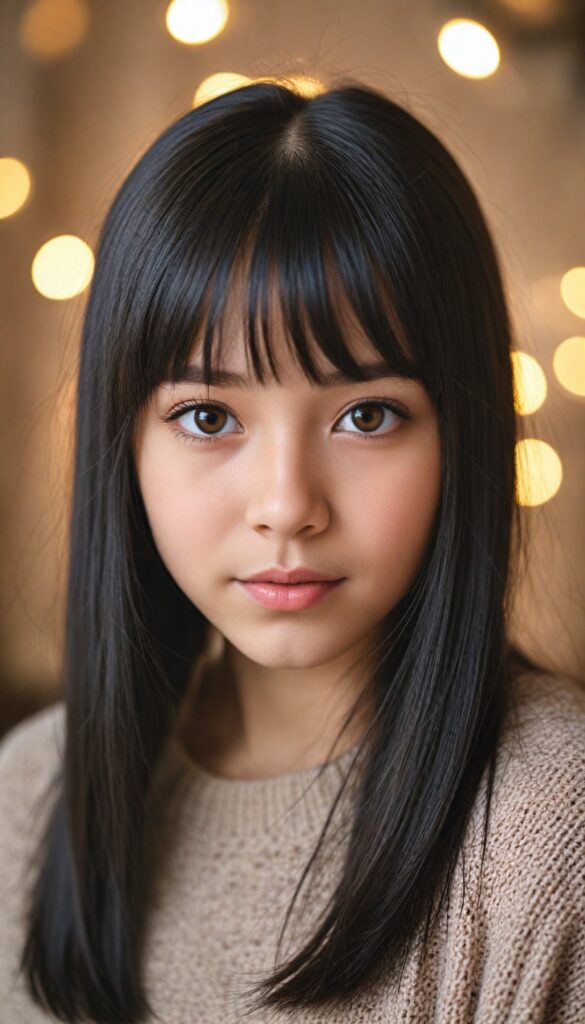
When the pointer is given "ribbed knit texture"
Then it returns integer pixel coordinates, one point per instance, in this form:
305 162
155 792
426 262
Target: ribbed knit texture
227 854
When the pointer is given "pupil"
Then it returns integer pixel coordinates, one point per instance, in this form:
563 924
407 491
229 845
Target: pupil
367 416
207 417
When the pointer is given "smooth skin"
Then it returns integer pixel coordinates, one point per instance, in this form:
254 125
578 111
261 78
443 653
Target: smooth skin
291 477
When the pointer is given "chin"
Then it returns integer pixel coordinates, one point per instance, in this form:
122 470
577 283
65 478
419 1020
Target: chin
287 653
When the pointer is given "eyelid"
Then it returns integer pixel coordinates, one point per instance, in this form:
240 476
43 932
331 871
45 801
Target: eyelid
398 408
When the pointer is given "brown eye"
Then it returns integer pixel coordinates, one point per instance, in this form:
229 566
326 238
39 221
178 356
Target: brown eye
203 421
368 417
209 418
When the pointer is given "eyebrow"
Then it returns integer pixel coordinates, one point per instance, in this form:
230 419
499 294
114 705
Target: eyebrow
192 374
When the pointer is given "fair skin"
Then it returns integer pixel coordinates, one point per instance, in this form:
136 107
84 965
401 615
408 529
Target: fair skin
291 478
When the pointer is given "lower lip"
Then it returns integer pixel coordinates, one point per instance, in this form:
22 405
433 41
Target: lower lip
289 597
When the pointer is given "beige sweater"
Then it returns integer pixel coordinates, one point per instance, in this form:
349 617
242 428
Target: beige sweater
233 851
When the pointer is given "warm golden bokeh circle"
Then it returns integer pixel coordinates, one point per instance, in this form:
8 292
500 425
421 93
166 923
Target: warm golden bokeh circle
62 267
196 21
225 81
539 471
536 12
468 48
217 85
15 185
569 365
530 386
573 290
52 28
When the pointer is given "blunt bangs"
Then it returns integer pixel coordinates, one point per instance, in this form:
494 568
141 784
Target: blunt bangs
323 304
311 279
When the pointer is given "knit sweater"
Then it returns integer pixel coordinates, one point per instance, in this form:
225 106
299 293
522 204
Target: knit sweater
230 853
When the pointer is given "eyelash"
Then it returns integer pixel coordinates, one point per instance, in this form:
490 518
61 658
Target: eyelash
399 410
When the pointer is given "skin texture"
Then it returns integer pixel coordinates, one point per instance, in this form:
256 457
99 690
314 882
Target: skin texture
290 479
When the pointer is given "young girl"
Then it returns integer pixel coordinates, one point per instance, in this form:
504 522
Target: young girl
337 791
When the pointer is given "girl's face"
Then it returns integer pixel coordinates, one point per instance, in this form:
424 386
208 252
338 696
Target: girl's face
291 475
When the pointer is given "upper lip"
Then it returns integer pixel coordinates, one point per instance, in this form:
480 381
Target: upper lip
298 575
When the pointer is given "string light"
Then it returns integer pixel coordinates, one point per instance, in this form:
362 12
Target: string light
217 85
539 472
468 48
196 21
14 185
52 28
573 290
62 267
569 365
529 383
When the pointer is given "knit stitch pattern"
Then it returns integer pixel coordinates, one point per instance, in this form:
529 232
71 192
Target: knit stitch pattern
227 854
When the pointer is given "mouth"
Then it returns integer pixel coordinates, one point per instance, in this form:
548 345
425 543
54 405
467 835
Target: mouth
289 596
301 574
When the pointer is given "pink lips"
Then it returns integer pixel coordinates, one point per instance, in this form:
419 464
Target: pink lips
300 574
289 590
288 597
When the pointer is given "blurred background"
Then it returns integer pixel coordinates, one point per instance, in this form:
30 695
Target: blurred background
87 85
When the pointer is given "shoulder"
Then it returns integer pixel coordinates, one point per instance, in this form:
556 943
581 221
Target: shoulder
543 743
33 743
513 947
30 757
536 837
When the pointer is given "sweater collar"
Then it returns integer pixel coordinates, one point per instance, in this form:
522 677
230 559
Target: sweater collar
289 803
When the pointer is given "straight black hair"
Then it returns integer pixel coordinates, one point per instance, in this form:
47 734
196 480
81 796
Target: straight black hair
345 193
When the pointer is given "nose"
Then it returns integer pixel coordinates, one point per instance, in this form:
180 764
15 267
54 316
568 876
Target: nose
286 491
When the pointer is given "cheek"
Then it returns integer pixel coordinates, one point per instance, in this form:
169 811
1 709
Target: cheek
188 516
393 516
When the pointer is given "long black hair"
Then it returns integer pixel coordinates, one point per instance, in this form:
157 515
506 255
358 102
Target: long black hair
345 190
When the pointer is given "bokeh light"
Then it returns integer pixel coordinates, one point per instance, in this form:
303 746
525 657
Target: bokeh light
14 185
539 471
307 86
196 21
225 81
573 290
63 267
569 365
52 28
217 85
529 383
468 48
536 12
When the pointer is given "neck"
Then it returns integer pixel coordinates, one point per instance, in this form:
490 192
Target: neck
246 721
